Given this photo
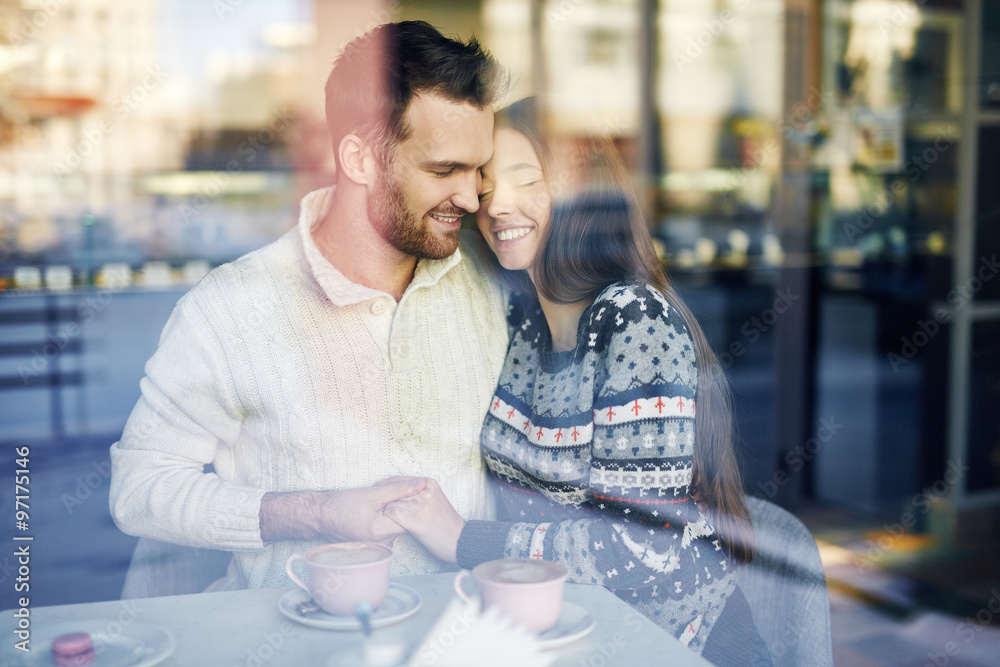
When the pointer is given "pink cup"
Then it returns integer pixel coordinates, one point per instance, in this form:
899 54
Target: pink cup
529 591
343 574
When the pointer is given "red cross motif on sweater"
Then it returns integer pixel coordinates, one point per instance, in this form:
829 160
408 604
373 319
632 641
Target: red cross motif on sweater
538 552
510 413
680 404
558 435
660 404
636 408
497 404
575 433
539 432
527 422
541 529
611 413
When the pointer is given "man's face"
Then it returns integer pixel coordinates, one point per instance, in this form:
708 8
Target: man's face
432 178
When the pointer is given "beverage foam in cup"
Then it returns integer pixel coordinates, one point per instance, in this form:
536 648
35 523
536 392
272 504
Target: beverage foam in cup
520 571
349 553
529 591
343 574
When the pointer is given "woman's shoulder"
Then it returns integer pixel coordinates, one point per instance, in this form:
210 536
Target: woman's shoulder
623 305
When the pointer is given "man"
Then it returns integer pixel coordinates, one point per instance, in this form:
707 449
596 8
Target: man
361 346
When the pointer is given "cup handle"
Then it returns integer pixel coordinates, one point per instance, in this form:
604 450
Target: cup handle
290 569
459 578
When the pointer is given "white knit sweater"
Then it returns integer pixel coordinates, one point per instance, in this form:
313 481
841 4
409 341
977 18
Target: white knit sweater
286 376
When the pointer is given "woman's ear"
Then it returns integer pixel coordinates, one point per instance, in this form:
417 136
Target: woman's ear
356 160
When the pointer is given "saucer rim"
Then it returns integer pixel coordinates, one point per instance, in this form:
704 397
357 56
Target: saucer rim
566 639
347 623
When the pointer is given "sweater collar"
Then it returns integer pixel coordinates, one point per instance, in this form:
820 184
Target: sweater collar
341 291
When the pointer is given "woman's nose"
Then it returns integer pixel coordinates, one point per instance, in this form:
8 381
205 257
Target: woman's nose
499 205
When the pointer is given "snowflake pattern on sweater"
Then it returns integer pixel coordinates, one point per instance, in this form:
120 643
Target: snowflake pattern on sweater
591 451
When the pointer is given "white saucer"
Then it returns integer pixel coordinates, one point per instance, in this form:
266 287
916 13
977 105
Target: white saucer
136 644
401 602
574 623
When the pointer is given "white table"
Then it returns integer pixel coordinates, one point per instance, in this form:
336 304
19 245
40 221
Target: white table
246 628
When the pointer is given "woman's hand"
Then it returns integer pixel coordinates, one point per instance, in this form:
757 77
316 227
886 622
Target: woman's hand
430 518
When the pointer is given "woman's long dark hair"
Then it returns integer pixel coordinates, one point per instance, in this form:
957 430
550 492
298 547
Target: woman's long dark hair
598 237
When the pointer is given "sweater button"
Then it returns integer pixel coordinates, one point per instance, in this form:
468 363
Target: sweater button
378 307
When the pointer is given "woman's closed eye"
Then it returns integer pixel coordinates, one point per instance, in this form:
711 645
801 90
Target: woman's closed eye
485 194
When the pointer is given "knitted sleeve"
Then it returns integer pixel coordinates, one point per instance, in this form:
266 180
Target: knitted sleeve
645 530
186 411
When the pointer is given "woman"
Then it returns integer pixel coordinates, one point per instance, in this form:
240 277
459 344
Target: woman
592 434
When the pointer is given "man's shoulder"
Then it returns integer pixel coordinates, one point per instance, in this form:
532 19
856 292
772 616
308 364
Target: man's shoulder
247 277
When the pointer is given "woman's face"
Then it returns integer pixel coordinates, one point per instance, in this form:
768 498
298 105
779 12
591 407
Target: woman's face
515 203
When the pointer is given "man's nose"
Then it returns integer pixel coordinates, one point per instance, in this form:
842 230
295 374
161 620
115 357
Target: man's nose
467 197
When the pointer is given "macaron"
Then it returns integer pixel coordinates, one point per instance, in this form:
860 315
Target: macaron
74 649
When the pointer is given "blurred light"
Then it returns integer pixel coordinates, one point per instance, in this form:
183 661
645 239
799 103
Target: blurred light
900 543
897 236
894 13
506 12
872 244
156 274
753 127
705 250
207 183
773 254
114 275
712 180
28 277
195 270
289 35
846 257
58 277
936 243
685 258
833 555
739 241
12 57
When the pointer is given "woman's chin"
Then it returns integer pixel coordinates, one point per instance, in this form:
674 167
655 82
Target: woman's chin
512 264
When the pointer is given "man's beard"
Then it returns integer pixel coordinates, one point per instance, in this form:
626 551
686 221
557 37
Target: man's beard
403 229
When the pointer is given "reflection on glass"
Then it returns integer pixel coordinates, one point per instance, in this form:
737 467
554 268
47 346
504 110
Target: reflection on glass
990 60
984 408
719 103
142 131
889 143
987 223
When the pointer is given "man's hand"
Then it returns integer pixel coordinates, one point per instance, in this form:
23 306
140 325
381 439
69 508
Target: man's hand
430 518
336 516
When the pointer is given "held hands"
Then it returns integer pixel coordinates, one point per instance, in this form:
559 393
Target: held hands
356 514
335 516
377 513
429 517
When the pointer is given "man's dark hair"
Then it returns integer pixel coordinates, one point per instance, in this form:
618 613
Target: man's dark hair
377 75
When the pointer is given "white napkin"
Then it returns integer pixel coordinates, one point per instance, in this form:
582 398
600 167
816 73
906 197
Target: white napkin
462 636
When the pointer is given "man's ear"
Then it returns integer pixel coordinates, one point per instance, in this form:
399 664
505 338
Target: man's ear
356 160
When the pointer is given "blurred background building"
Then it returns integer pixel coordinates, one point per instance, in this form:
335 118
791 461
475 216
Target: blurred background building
821 177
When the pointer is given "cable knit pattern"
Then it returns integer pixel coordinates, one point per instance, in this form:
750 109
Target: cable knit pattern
286 376
591 450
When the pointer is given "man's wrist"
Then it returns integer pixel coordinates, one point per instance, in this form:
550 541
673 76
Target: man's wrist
293 515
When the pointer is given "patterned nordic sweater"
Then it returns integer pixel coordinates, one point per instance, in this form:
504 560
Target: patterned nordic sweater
591 451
